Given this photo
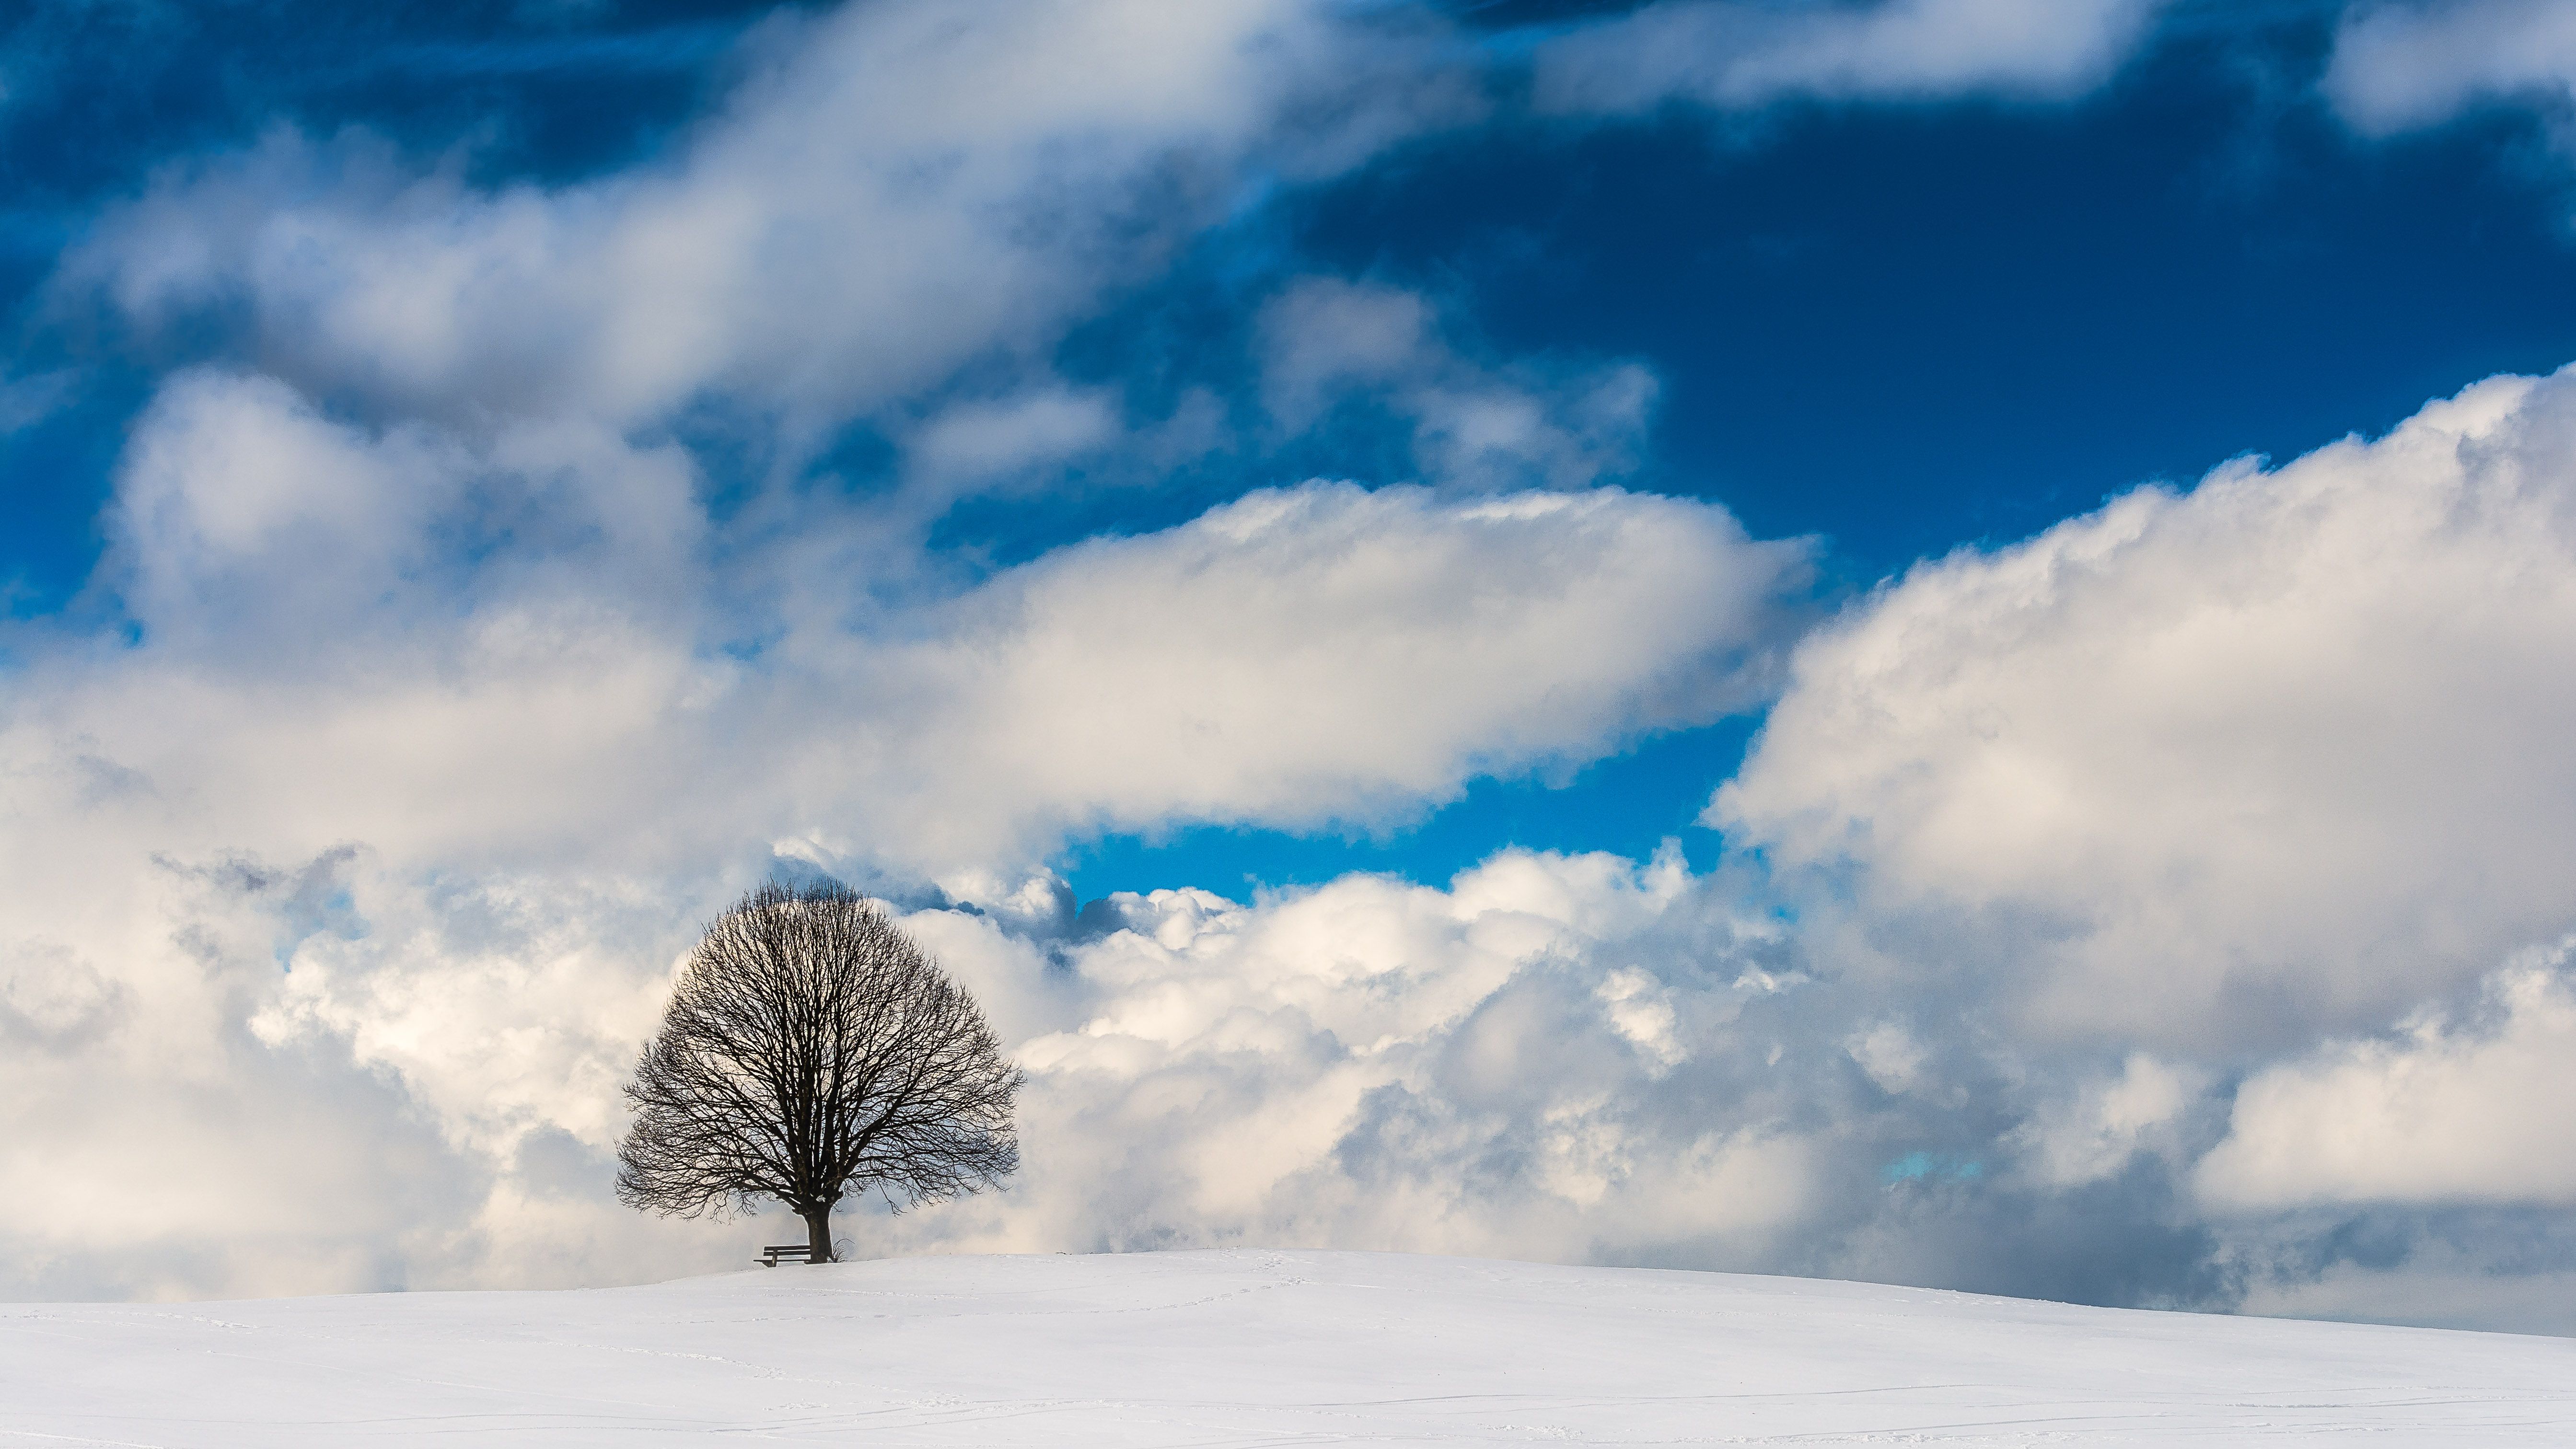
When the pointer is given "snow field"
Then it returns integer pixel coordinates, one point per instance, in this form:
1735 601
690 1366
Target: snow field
1249 1348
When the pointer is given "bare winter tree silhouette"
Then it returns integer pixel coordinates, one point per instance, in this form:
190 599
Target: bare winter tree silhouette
813 1052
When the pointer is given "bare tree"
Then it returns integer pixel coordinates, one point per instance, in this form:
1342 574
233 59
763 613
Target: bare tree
812 1052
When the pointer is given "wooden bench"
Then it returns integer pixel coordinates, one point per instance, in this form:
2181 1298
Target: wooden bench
787 1252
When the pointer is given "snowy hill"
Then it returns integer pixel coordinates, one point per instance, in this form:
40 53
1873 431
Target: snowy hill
1224 1348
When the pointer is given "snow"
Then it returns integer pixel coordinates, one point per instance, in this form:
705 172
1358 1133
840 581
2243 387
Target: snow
1249 1348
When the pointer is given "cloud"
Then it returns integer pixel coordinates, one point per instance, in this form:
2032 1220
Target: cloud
1353 1063
1563 1057
403 875
2113 851
145 1116
1301 654
1356 1063
899 189
446 664
1736 56
240 505
377 838
2401 67
488 602
2455 1294
2095 1134
2213 770
428 641
402 869
1333 351
976 442
2447 1111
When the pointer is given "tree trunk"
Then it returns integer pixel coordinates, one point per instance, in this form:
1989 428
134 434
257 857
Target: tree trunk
818 1232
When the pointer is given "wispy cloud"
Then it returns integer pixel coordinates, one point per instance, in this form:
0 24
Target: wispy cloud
1737 55
2400 67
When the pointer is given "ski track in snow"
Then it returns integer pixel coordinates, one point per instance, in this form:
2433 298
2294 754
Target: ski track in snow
1245 1348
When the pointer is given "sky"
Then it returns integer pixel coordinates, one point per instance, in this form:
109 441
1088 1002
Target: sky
1914 640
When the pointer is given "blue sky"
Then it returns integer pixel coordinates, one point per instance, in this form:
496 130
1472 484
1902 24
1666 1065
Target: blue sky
1572 631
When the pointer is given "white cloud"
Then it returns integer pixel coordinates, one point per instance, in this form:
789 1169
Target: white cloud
1325 335
2094 1135
2215 770
898 189
2448 1111
426 1095
1733 55
976 442
244 521
357 876
1362 1064
1889 1054
321 665
341 891
1304 653
475 813
2398 67
1328 342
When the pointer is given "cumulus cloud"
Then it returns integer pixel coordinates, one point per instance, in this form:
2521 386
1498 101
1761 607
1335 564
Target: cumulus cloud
400 871
2479 1110
2217 769
1354 1064
1568 1057
1297 655
402 889
247 523
1733 55
2115 852
2095 1133
2398 67
380 834
1522 1062
432 685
